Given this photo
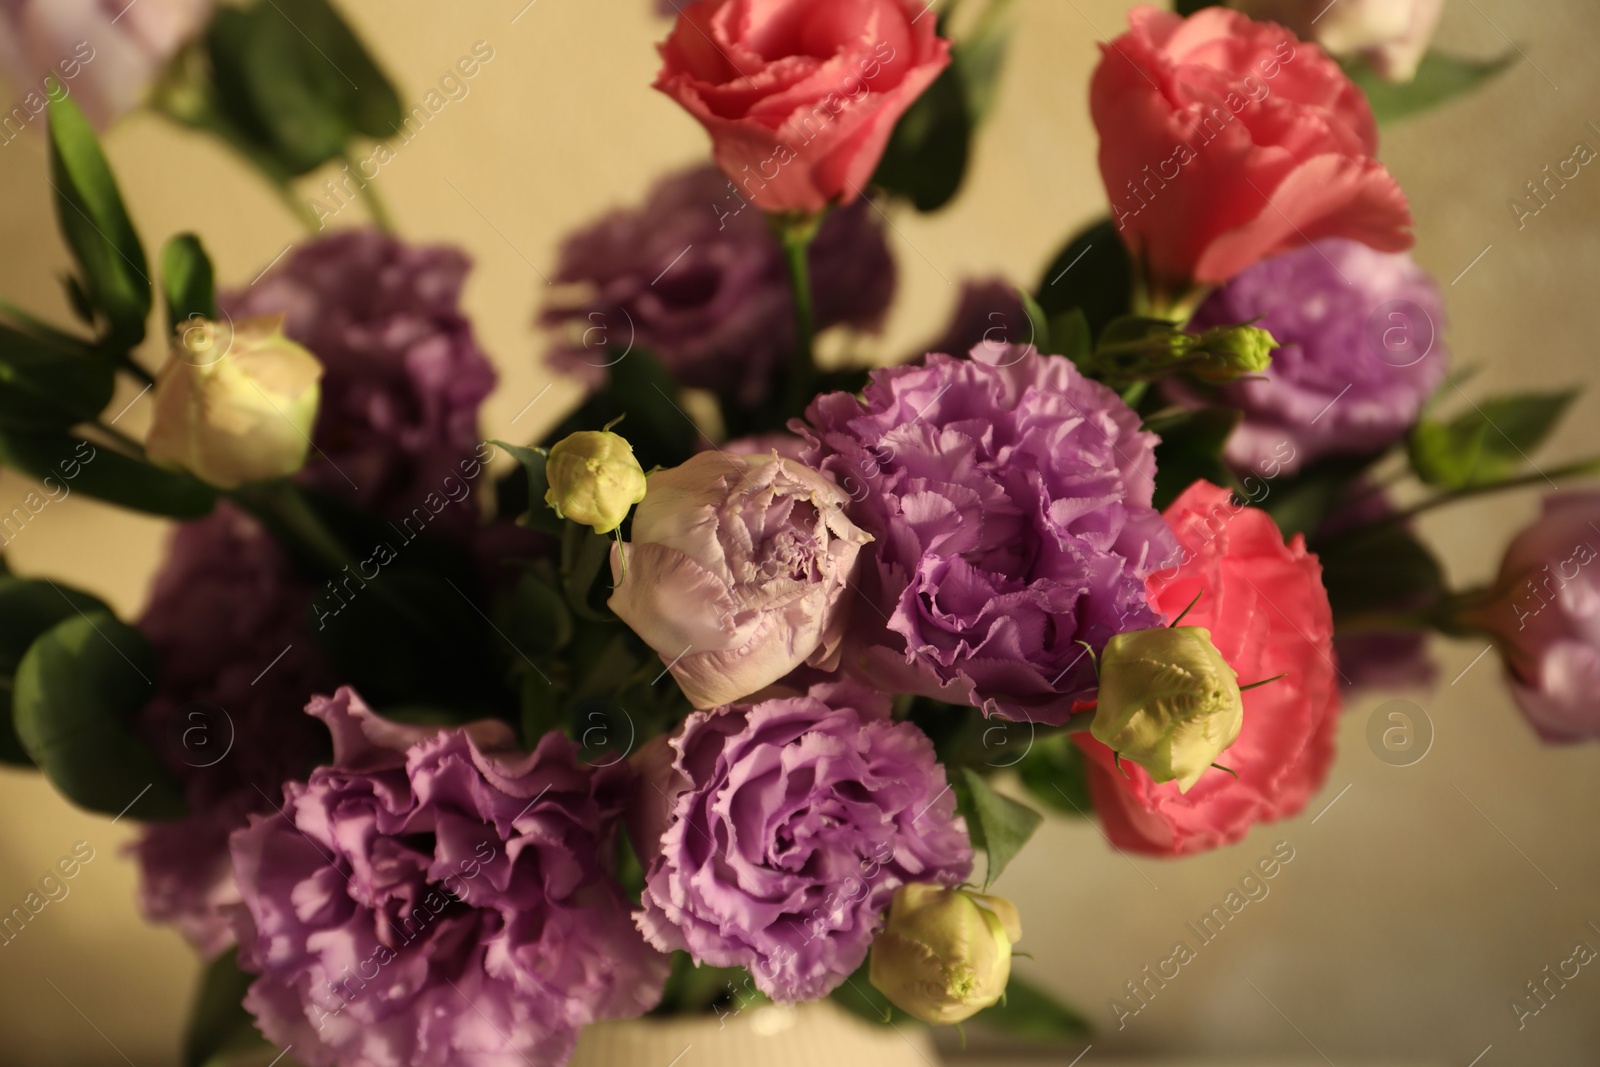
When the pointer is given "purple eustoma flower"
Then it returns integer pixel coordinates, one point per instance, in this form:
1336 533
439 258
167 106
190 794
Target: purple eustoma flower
780 831
1360 350
404 376
1009 499
434 898
695 277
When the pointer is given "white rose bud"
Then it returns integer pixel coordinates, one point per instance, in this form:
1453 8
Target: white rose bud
945 954
235 403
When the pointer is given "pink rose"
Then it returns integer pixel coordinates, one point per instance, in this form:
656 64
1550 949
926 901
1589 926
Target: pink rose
1224 141
1545 615
1391 35
800 96
1268 614
736 572
104 53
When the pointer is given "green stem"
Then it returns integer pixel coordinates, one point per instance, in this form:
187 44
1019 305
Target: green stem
298 207
1571 470
795 233
121 438
381 217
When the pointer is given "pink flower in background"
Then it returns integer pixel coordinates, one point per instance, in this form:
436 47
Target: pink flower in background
1391 35
778 832
1268 614
435 898
800 96
105 54
1546 618
1224 141
736 572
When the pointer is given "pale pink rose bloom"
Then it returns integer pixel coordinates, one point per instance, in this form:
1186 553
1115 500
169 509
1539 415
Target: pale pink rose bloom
737 572
1392 35
105 54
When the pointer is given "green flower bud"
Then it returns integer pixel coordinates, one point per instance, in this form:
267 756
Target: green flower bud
945 954
234 403
1168 701
594 479
1231 352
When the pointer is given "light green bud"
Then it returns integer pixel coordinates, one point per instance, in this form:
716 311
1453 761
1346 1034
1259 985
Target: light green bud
945 954
1232 352
1168 701
235 402
594 479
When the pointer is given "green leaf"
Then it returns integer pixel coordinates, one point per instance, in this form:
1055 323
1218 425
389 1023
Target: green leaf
1191 449
1030 1012
188 280
980 56
46 385
218 1022
27 609
1039 324
1302 502
1487 443
926 159
584 555
62 461
997 824
1381 568
96 225
1440 77
1056 773
78 689
1071 337
367 99
539 516
1189 7
1093 272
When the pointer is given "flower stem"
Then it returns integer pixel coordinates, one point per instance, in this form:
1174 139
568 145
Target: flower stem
796 232
381 218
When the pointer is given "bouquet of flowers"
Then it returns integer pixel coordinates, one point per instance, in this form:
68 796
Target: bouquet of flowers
446 748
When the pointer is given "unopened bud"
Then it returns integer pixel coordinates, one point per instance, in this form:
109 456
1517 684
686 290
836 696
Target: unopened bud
235 403
1168 701
595 480
945 954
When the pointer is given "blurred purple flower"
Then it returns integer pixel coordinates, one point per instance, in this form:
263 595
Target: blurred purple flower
1361 349
988 313
1009 499
228 617
777 833
404 374
696 278
435 898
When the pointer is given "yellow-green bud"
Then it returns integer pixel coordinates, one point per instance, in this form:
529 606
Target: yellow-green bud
1168 701
1231 352
234 403
594 479
945 954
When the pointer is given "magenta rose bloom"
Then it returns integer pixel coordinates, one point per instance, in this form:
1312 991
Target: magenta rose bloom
404 374
1009 499
787 827
737 569
1545 616
435 898
695 277
1360 336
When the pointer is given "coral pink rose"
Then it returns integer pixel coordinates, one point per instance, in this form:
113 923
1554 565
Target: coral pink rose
800 96
1268 614
1224 141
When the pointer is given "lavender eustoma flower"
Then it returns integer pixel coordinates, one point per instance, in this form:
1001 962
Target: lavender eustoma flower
1359 351
737 570
788 825
434 899
696 278
404 376
1009 499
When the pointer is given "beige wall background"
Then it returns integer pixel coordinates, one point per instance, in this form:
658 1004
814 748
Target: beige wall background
1415 907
